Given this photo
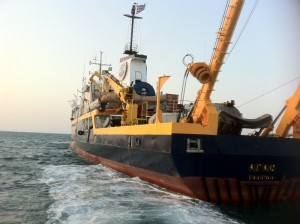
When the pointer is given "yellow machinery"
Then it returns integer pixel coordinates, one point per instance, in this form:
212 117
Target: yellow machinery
203 111
290 118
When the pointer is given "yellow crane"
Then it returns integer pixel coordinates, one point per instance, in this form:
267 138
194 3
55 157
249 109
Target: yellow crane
204 112
290 118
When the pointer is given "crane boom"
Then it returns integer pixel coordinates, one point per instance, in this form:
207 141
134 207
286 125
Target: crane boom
203 111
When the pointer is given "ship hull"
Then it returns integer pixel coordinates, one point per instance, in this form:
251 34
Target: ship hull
238 169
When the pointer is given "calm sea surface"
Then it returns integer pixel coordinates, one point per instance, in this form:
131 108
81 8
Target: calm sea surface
43 181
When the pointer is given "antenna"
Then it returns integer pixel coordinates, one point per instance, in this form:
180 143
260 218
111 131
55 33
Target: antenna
100 63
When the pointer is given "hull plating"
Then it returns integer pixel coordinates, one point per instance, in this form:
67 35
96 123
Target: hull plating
224 171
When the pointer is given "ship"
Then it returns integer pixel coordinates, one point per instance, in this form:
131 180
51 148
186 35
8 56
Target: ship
197 149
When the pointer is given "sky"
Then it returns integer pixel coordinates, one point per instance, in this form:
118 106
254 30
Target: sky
46 46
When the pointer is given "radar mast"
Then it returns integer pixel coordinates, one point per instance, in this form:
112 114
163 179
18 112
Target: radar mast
132 48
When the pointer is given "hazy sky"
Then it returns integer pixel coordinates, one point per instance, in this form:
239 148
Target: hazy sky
45 47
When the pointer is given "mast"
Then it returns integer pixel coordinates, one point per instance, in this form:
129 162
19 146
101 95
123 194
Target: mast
100 63
134 10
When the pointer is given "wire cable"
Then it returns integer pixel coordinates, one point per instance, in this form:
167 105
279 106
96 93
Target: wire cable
272 90
246 23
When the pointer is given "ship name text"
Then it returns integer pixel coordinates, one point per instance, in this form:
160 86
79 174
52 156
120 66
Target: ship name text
261 171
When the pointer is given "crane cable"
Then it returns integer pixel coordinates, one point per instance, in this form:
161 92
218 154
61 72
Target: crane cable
246 23
272 90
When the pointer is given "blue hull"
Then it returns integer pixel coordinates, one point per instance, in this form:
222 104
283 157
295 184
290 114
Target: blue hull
212 168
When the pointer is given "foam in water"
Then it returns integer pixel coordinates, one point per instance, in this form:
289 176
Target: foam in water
95 194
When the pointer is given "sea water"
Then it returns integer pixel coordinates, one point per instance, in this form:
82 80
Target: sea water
43 181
